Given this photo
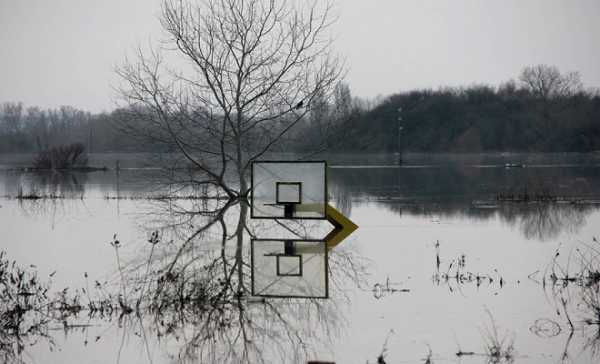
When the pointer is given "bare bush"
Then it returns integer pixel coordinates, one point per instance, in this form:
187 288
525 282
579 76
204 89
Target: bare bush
62 157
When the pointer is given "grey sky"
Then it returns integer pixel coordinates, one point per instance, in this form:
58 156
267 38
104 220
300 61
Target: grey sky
62 52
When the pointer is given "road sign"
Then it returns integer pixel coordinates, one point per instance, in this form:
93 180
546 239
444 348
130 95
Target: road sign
342 227
293 267
288 190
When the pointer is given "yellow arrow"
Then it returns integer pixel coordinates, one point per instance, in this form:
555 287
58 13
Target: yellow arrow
342 227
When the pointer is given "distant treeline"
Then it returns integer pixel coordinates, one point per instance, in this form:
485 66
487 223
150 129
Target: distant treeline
544 110
31 129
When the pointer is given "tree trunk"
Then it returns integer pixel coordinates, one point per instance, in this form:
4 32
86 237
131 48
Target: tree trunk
240 245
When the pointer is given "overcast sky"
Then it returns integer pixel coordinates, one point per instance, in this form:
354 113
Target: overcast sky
63 52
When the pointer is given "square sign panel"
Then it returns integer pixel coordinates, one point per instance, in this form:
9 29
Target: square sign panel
289 190
286 268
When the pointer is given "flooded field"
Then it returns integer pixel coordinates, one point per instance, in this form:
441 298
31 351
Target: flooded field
457 258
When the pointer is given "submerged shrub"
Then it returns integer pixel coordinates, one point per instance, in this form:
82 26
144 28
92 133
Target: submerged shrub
62 157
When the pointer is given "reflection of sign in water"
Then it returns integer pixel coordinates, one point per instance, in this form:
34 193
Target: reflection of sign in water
381 290
285 268
288 267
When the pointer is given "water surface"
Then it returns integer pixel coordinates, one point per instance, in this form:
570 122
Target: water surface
389 292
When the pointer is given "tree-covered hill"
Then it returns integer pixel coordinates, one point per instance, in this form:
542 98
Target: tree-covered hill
551 114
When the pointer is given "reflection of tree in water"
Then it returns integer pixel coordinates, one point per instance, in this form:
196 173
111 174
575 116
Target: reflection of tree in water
343 200
210 286
545 221
58 184
71 185
52 194
542 221
458 192
192 291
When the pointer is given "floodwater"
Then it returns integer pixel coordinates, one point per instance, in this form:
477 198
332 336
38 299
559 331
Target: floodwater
453 254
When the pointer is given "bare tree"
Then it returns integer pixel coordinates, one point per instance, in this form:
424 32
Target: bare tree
546 82
252 69
11 115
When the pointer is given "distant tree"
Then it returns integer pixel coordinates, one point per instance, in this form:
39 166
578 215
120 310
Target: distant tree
508 88
319 111
330 124
554 92
546 82
11 117
342 100
35 125
346 111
